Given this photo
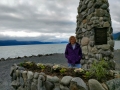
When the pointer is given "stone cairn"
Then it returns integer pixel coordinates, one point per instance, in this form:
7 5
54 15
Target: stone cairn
94 14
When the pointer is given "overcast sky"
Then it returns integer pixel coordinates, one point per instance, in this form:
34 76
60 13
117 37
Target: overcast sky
44 20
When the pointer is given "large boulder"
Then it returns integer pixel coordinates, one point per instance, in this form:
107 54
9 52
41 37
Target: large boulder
30 75
95 85
84 41
66 80
49 85
77 84
113 84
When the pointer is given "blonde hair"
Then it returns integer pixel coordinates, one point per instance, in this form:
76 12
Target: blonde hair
72 37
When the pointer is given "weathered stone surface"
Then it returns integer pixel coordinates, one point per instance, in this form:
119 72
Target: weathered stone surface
84 30
82 62
91 10
33 86
66 80
86 57
64 87
104 6
84 21
99 12
24 75
91 55
90 4
15 84
84 41
104 86
84 49
40 84
56 88
105 19
90 61
18 74
106 24
42 77
77 84
36 74
12 70
104 47
49 85
54 79
89 27
98 3
30 75
99 56
106 53
94 50
84 66
113 84
111 43
95 85
112 64
83 8
86 2
117 74
21 88
92 38
92 43
35 81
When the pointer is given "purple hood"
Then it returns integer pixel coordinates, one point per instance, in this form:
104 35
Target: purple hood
73 55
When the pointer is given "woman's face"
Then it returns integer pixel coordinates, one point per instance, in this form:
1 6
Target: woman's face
72 40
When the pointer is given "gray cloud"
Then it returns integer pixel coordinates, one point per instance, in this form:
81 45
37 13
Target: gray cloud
57 17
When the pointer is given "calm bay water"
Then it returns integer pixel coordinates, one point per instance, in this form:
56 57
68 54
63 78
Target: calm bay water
28 50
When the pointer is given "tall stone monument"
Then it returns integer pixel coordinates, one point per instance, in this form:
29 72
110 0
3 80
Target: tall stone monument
94 32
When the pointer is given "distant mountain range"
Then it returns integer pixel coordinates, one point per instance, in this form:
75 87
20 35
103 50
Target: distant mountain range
15 42
116 36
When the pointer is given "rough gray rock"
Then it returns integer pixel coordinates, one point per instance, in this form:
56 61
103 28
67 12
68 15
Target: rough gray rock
111 43
54 79
30 75
84 66
84 41
106 24
85 49
24 75
33 86
49 85
90 4
95 85
64 87
99 12
113 84
66 80
99 56
104 6
15 84
36 74
83 8
77 84
98 3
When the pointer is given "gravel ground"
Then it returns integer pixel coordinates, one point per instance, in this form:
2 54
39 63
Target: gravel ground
5 79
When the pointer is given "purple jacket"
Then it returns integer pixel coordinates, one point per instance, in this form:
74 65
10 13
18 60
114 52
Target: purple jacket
73 55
